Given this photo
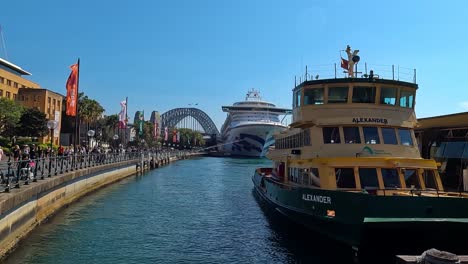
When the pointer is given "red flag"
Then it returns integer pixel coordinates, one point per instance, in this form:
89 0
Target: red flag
174 136
344 64
72 91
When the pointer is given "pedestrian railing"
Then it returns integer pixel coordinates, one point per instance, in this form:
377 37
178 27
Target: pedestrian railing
13 174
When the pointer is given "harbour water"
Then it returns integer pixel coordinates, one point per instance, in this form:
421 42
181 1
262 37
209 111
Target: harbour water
201 210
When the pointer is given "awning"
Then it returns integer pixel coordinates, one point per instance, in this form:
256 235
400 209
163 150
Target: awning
455 150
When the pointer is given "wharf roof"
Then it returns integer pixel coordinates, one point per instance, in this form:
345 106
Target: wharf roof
13 67
457 120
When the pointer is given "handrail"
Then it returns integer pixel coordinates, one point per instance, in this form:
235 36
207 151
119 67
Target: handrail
13 174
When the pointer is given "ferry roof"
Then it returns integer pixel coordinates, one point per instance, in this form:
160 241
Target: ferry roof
356 80
13 67
457 120
257 108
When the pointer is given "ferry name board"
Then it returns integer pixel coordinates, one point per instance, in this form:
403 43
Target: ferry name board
358 120
316 198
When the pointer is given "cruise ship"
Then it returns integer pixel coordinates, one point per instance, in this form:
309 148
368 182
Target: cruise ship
250 125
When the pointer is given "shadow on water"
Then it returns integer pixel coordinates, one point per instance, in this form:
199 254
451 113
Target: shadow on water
304 246
307 246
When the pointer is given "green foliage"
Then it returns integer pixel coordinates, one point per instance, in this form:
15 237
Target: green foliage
89 109
10 114
109 127
32 123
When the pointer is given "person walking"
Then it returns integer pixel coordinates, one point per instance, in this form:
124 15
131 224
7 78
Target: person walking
1 153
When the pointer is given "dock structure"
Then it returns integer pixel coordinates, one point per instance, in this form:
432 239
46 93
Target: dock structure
150 161
432 256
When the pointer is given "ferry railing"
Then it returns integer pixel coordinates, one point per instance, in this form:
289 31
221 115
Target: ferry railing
13 173
334 71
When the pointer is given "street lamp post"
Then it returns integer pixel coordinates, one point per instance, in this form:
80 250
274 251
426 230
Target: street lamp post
51 125
90 136
115 137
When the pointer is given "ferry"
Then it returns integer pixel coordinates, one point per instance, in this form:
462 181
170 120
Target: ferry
350 168
250 124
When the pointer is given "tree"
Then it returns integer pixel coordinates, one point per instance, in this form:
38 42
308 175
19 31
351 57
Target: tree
10 114
32 123
108 127
89 110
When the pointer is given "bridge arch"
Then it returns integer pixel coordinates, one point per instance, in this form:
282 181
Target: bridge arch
172 117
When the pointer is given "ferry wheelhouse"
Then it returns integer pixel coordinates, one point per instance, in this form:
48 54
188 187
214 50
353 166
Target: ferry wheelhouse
350 167
249 127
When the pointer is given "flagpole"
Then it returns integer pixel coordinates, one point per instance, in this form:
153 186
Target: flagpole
77 118
125 120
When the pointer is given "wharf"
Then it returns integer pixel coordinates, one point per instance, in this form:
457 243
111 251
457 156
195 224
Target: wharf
410 259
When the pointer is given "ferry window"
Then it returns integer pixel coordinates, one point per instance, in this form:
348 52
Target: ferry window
345 178
371 136
391 178
337 95
306 137
331 135
405 137
314 177
389 135
411 178
429 179
364 95
406 99
351 135
388 95
297 98
368 177
313 96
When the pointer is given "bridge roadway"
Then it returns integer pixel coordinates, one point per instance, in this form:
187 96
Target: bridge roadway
34 190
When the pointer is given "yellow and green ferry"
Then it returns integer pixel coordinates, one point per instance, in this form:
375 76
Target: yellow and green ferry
349 167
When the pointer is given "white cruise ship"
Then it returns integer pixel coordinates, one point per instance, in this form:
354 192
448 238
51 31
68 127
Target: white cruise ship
249 126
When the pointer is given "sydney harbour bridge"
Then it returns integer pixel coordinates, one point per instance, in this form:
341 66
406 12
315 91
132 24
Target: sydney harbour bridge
190 118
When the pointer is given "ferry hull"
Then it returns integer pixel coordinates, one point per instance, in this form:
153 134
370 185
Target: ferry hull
400 223
251 140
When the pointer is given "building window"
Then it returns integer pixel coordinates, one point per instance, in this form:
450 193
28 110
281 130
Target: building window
2 80
406 99
391 178
1 93
371 136
331 135
388 95
22 98
345 178
15 84
405 137
351 135
368 177
364 95
7 95
389 136
14 96
48 100
8 82
313 96
337 95
53 102
58 105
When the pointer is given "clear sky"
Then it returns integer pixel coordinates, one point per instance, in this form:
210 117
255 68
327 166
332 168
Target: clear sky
168 54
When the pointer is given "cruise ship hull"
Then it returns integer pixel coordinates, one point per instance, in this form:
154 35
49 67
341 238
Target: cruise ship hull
250 140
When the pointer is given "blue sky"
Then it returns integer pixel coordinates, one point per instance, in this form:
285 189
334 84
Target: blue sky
168 54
